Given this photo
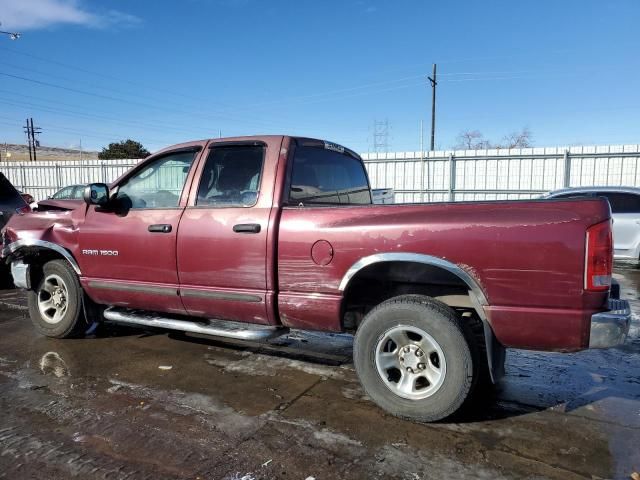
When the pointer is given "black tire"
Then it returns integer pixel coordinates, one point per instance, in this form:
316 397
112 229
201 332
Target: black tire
445 327
71 322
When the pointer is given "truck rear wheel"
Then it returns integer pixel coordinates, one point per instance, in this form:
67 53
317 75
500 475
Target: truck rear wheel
55 306
413 358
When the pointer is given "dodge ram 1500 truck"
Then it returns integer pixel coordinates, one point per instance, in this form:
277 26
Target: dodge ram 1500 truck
248 237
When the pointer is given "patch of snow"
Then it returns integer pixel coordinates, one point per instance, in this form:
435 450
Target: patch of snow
266 365
327 436
240 476
417 465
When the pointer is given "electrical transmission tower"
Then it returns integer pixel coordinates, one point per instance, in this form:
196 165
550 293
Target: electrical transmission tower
381 136
32 141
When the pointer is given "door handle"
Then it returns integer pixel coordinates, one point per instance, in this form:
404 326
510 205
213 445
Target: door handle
247 228
160 228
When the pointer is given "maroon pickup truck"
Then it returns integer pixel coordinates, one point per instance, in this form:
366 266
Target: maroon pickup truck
248 237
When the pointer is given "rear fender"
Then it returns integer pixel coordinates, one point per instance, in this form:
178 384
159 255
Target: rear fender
495 351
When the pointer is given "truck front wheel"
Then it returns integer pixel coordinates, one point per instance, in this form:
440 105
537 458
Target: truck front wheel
413 358
55 306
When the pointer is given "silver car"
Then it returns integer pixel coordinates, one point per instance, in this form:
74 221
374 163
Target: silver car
625 209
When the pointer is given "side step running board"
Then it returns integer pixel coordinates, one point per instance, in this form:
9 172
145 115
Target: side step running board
217 328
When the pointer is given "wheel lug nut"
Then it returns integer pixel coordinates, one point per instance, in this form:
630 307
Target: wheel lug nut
407 349
419 353
422 366
409 369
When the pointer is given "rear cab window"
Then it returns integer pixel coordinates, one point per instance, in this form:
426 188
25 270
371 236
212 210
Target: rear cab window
326 174
622 202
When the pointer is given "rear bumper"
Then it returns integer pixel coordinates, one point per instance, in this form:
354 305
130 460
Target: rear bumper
610 328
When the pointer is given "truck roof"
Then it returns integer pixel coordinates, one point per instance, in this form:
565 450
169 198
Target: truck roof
264 138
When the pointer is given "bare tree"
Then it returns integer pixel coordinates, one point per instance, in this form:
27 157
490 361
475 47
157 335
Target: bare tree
474 140
521 139
471 140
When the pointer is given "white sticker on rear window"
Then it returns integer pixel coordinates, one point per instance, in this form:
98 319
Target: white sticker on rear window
334 147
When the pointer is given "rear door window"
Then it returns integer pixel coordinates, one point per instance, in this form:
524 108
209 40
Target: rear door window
622 202
231 176
320 176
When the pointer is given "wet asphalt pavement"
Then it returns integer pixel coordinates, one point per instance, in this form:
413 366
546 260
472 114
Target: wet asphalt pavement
134 404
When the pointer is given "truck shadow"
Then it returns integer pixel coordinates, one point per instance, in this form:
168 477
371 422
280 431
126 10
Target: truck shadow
534 381
598 384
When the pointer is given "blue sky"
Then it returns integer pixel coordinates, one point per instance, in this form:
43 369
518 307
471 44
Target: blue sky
166 72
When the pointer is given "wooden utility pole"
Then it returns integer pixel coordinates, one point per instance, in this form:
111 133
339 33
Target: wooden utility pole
434 83
33 139
27 130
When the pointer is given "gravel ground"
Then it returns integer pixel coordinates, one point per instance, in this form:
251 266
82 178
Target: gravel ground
154 405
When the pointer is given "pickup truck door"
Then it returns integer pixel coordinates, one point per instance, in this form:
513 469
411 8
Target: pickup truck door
224 237
128 251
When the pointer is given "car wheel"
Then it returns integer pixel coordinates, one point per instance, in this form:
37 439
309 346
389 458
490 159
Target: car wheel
55 306
413 358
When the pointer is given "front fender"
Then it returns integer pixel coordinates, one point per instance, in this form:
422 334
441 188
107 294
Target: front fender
20 248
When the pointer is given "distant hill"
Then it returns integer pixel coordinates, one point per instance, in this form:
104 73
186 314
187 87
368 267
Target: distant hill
20 153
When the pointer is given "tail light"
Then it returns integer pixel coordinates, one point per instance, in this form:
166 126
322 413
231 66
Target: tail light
599 258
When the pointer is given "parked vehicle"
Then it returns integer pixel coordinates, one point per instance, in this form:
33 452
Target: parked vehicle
247 237
66 198
27 197
625 209
11 203
70 192
383 195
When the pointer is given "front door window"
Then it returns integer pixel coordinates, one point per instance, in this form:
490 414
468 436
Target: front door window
159 184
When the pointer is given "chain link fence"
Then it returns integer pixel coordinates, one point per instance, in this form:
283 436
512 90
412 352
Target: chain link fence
500 174
415 177
43 178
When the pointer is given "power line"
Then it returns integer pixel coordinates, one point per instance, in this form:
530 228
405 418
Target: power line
129 102
74 81
80 115
121 100
86 133
270 102
215 114
101 74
